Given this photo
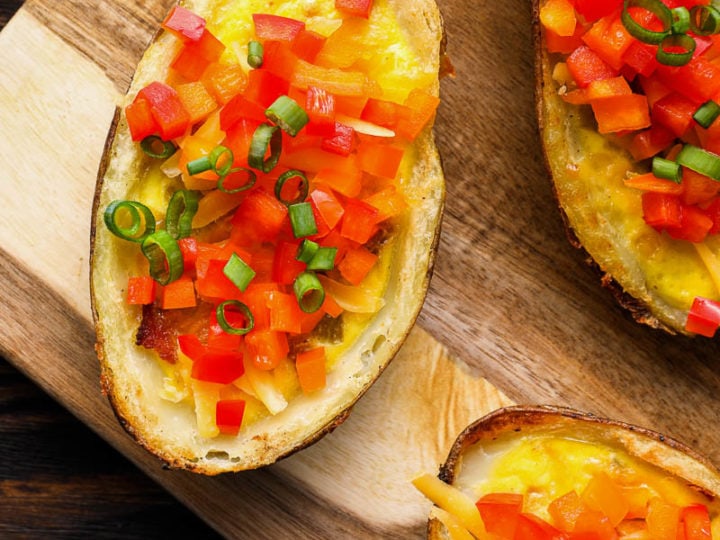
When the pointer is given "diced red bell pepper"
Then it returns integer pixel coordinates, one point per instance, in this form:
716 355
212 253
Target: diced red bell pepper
224 81
184 24
586 66
704 317
356 8
341 142
141 290
140 120
697 188
328 205
311 370
279 59
269 26
697 522
609 39
592 10
285 313
661 210
420 107
641 57
264 87
286 267
675 112
218 338
698 80
167 109
694 225
356 264
266 348
212 283
195 56
651 142
359 222
345 179
229 415
712 210
531 526
320 108
218 366
262 214
307 44
380 159
500 513
239 108
189 250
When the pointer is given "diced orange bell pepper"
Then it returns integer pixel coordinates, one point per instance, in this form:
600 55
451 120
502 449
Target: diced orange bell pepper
266 348
224 81
269 26
380 159
311 370
167 109
197 100
500 513
356 264
650 182
421 107
696 520
609 39
389 202
383 113
141 290
261 214
334 80
194 57
604 88
345 45
563 44
140 120
604 495
285 313
663 520
346 180
356 8
566 509
359 222
178 294
622 113
558 16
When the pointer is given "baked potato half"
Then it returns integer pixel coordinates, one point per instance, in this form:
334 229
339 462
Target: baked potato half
182 371
602 147
551 472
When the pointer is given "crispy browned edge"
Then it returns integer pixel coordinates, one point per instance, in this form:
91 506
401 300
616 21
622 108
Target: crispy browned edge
106 382
518 417
637 309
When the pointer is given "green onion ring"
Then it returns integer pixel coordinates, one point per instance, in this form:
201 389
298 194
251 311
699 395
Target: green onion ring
307 250
324 259
226 326
672 58
667 169
286 113
657 8
215 157
681 20
704 20
151 142
303 188
166 260
255 54
139 215
302 219
309 292
700 161
265 136
707 113
250 182
181 210
199 165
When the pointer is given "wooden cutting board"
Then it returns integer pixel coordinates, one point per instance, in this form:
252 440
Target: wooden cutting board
513 314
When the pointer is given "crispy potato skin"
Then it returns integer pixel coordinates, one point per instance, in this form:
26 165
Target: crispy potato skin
129 385
667 453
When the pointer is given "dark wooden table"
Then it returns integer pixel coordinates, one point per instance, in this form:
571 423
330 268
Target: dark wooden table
58 479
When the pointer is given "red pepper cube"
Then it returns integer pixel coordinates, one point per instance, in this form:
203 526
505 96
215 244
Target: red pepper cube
661 210
214 284
356 264
184 24
380 159
229 415
264 87
311 370
194 57
286 267
266 348
641 58
609 39
500 512
698 80
189 250
256 297
328 206
166 109
704 317
218 338
359 222
261 215
140 119
341 142
320 108
675 112
141 290
592 10
419 109
268 26
356 8
696 521
307 44
586 66
694 225
218 366
279 59
240 108
697 188
285 313
531 526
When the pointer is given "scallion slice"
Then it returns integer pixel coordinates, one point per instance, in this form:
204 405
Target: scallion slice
255 54
140 217
669 57
307 250
704 20
164 255
199 165
221 315
667 169
155 147
239 272
681 20
221 158
286 113
303 187
707 113
250 179
309 292
265 137
181 210
700 161
324 259
302 219
635 29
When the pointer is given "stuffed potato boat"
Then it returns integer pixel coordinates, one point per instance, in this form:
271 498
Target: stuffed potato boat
627 107
556 473
265 222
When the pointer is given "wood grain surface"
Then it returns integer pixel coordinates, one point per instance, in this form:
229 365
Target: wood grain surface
513 313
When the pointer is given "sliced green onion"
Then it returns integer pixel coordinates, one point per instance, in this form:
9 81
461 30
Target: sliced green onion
704 20
707 113
307 250
163 252
324 259
700 161
669 58
199 165
635 29
255 54
181 210
250 179
667 169
238 271
142 221
265 136
302 188
309 292
229 328
155 147
286 113
302 219
221 158
681 20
